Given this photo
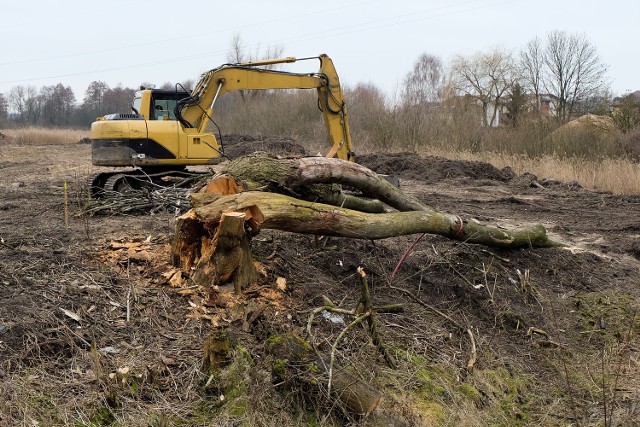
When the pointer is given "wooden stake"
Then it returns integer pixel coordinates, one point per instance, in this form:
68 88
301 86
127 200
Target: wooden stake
66 206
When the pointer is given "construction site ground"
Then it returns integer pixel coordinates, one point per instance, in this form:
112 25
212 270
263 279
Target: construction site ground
93 331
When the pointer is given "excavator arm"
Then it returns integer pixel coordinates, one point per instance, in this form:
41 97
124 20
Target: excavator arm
197 110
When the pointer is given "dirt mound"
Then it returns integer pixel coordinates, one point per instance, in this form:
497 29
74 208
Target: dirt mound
239 145
600 128
431 169
589 122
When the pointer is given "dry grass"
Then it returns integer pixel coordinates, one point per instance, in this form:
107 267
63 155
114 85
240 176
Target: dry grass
43 136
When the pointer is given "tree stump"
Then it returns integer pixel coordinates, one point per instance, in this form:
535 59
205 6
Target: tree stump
215 253
217 351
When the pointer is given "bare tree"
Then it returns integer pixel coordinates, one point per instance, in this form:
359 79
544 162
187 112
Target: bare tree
33 104
117 99
238 52
17 101
93 97
188 84
486 78
425 81
531 68
421 91
4 108
57 104
368 115
626 111
573 71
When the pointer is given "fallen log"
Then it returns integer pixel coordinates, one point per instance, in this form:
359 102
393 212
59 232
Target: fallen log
277 211
297 177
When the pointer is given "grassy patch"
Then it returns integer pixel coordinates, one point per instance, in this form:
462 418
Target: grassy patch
443 395
43 136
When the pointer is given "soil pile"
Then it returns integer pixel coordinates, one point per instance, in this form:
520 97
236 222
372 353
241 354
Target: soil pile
239 145
431 169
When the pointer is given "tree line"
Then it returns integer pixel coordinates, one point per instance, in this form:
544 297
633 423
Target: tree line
57 106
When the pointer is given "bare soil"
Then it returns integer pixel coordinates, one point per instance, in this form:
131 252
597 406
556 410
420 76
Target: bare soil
93 333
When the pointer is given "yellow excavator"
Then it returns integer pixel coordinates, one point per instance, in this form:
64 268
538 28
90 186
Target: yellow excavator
167 129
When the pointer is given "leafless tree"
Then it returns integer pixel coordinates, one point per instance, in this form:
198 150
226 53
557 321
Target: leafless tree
188 84
17 101
4 108
93 97
531 66
117 99
485 78
238 52
425 81
626 112
33 104
57 104
421 91
369 118
573 71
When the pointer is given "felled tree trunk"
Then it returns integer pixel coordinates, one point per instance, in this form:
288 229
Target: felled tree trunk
277 211
300 176
211 243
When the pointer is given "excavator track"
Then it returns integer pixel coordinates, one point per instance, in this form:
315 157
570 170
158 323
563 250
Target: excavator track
109 183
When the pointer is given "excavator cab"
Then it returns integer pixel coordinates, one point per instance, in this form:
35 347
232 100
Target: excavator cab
151 137
162 103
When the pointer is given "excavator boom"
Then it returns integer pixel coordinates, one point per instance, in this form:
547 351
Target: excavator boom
198 109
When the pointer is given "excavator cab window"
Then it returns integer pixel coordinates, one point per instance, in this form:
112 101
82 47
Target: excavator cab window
164 103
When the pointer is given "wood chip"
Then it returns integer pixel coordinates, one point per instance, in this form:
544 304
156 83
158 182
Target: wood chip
70 314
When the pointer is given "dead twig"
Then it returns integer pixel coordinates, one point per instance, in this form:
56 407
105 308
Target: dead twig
472 359
373 328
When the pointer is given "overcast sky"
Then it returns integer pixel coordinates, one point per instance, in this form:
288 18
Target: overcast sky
75 42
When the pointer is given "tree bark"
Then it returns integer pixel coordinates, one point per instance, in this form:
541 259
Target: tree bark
277 211
294 177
